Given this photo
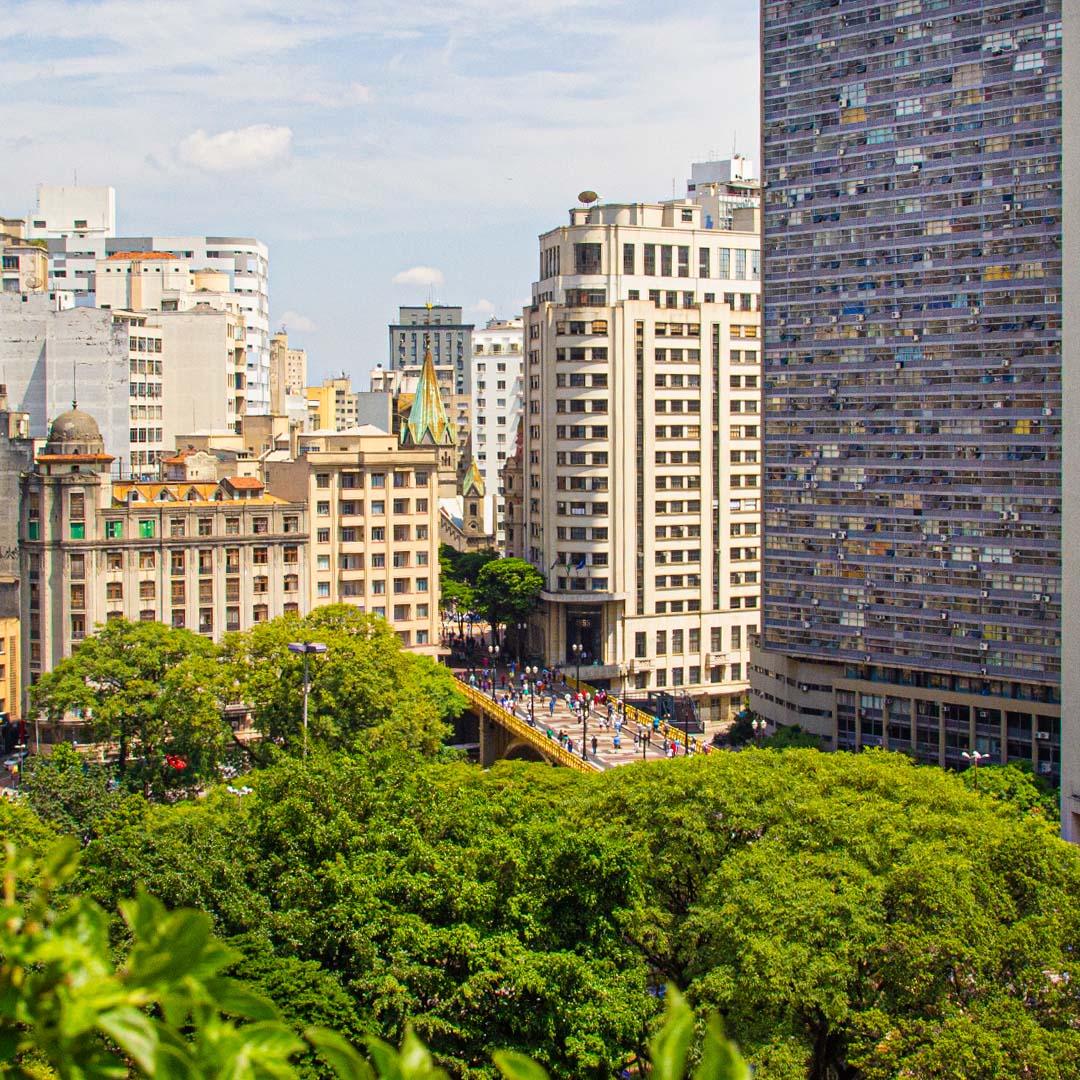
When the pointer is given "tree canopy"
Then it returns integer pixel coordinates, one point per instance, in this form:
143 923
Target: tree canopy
508 590
842 914
146 684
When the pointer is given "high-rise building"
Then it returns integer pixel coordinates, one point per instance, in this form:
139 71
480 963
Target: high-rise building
288 372
443 330
641 447
722 187
912 368
53 355
243 263
496 410
199 346
1070 638
450 339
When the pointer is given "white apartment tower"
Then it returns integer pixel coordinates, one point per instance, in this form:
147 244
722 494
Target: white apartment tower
642 447
497 395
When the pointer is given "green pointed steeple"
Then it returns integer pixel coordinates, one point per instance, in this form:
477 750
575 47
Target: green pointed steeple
474 482
428 424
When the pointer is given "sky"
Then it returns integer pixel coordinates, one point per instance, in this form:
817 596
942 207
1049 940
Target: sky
387 153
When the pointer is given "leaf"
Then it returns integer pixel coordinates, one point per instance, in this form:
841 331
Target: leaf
671 1044
135 1033
515 1066
232 997
720 1060
339 1054
387 1060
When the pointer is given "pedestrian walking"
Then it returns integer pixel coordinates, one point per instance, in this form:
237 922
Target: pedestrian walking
552 710
615 740
595 744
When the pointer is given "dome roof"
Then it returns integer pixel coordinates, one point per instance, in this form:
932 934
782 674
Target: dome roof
75 432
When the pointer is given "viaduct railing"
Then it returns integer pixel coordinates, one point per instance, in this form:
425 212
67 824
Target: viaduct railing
549 748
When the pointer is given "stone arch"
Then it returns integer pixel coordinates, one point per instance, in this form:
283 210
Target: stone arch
520 750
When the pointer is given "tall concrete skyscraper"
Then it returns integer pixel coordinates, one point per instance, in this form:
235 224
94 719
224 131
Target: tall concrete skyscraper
1070 638
912 376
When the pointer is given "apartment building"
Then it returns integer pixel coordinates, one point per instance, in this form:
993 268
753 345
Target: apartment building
288 372
69 210
442 329
16 457
375 526
211 557
332 406
722 187
243 262
24 266
496 410
641 447
912 292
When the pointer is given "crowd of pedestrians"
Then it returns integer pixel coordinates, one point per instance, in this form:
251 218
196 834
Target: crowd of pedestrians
512 688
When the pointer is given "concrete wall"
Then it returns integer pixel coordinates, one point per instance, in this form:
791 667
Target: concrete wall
49 356
197 371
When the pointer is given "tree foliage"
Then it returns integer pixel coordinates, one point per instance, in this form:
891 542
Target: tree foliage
363 680
508 590
1017 785
169 1010
850 916
69 792
146 685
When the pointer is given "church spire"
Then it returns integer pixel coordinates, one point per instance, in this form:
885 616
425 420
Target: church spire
428 424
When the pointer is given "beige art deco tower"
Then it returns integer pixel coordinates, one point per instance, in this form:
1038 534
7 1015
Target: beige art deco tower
641 447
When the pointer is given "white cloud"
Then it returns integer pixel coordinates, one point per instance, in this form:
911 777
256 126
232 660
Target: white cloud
484 307
242 148
419 275
293 320
353 94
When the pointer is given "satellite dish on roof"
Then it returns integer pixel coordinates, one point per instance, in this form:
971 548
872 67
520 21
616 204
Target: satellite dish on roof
588 197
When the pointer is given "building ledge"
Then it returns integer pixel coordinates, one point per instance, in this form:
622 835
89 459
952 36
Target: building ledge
581 597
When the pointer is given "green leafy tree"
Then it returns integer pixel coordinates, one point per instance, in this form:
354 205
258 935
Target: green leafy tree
70 793
792 737
840 911
363 680
508 590
154 689
166 1009
169 1010
1017 785
457 600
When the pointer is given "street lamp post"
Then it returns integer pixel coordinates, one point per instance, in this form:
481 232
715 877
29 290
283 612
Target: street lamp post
494 651
521 628
306 648
531 673
579 650
975 757
759 730
239 792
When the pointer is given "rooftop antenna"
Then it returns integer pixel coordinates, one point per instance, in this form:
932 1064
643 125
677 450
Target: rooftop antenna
74 388
734 143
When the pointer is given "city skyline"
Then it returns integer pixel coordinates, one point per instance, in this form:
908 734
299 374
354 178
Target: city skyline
383 156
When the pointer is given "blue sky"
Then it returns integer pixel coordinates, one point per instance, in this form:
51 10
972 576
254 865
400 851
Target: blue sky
364 140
